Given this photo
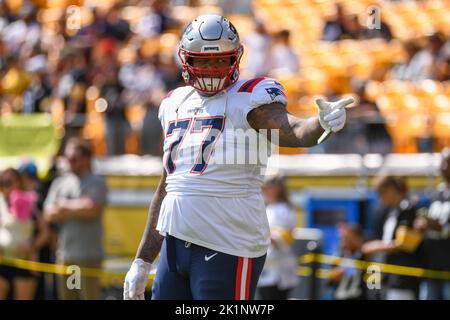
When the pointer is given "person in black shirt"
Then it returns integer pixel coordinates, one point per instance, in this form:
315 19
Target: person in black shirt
435 222
348 281
393 193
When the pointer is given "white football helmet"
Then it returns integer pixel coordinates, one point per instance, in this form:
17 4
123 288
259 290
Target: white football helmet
210 36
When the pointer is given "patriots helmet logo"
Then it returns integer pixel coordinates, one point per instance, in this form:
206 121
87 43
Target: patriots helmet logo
274 92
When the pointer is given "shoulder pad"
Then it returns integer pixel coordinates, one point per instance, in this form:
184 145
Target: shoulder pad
264 91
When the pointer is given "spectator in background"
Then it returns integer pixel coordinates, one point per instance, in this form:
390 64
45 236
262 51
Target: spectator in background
393 193
71 87
143 80
283 58
171 75
349 281
156 20
420 63
117 125
334 28
3 57
352 28
151 132
279 275
75 203
435 222
425 60
366 128
23 30
116 27
89 34
406 70
31 182
105 25
22 234
437 46
30 179
442 70
440 51
36 97
6 16
258 44
142 77
341 26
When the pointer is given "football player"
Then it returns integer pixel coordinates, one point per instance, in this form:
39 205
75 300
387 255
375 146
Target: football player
207 219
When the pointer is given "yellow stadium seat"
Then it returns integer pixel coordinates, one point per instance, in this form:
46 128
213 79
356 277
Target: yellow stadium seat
410 104
57 112
401 132
442 125
441 129
313 81
429 87
385 105
94 130
362 66
397 87
306 107
373 89
446 88
291 84
441 103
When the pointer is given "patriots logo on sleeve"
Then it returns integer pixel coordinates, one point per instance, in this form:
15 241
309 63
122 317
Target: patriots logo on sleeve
274 92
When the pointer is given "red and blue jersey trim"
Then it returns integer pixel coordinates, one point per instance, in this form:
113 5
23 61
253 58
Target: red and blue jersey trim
249 85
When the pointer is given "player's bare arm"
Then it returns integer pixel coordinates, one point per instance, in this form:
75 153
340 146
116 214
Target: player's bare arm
293 131
137 276
151 240
296 132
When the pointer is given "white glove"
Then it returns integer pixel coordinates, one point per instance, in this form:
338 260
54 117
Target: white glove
136 280
332 115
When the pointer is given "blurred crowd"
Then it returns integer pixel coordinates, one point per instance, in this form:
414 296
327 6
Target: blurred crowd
40 66
111 63
426 57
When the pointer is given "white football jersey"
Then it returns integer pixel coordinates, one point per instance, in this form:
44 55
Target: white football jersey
215 163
